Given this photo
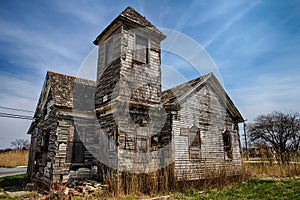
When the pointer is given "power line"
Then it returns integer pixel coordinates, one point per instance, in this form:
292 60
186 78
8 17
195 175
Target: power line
16 109
9 115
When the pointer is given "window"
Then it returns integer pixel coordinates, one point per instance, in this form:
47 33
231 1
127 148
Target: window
105 98
142 155
194 143
45 140
184 131
76 148
141 50
108 51
227 145
142 144
154 142
112 139
129 142
111 142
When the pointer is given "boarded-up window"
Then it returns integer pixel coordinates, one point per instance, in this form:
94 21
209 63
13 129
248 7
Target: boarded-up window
129 142
108 51
141 49
227 144
194 143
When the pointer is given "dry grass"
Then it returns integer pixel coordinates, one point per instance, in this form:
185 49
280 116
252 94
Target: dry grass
14 158
265 170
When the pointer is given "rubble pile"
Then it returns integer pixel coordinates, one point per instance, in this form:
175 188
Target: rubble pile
85 189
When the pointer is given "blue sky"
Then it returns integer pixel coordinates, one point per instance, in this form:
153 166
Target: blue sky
254 44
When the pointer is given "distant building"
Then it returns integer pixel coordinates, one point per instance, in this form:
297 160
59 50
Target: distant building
125 123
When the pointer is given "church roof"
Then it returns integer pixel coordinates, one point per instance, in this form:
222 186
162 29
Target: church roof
132 16
67 92
63 87
174 96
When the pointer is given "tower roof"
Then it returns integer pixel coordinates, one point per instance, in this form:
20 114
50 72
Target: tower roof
133 17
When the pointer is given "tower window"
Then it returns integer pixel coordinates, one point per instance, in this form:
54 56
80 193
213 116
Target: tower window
141 49
108 51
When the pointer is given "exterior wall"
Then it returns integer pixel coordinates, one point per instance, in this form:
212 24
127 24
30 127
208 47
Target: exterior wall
108 76
44 154
51 161
204 110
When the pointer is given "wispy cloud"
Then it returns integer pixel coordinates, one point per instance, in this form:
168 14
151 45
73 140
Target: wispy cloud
230 22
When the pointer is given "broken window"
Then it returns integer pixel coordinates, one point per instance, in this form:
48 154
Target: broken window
227 145
154 142
141 49
194 143
108 51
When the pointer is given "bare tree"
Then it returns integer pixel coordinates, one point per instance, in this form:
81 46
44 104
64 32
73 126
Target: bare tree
279 131
20 144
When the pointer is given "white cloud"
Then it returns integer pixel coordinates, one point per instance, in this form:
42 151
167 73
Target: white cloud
267 95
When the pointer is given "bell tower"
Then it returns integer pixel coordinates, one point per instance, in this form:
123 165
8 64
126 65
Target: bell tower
128 95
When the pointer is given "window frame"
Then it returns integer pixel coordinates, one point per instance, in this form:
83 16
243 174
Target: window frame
227 145
108 51
140 41
194 147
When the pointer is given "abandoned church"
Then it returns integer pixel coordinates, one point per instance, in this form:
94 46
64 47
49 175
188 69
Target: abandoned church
123 123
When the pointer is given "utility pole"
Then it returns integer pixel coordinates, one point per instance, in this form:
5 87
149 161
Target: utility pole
245 136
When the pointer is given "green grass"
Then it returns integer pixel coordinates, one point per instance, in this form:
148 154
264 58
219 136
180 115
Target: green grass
252 189
8 181
16 180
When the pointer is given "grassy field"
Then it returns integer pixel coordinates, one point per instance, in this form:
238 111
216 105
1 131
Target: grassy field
13 158
258 180
251 189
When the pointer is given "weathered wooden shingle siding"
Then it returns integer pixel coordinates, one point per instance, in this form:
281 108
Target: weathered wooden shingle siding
108 76
140 81
205 110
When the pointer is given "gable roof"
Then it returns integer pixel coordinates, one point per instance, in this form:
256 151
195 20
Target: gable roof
175 95
132 16
60 88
